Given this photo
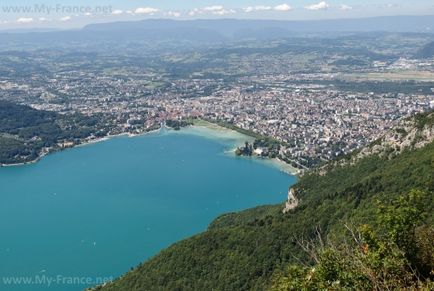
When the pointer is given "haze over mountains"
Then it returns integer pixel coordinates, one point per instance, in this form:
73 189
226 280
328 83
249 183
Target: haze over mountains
235 28
215 31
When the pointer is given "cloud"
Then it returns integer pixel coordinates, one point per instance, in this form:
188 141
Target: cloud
215 9
392 5
25 20
194 11
146 10
174 13
42 19
282 7
117 12
223 12
257 8
345 7
319 6
65 18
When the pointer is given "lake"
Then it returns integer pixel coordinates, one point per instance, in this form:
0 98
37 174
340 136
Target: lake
88 213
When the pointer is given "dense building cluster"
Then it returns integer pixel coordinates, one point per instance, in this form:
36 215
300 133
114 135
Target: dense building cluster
312 124
312 117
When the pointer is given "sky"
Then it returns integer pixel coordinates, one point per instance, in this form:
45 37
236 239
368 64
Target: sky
24 14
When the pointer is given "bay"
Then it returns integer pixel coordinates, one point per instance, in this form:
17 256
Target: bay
92 212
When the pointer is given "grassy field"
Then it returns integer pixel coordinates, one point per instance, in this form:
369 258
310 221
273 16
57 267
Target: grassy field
421 76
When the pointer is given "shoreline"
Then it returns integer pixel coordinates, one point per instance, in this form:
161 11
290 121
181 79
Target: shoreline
26 163
213 127
216 131
86 143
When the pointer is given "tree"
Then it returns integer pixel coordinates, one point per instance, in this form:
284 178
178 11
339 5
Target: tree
395 253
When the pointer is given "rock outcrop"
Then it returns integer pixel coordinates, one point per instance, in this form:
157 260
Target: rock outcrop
411 133
291 202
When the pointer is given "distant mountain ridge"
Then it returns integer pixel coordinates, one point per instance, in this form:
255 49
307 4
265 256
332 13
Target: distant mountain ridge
427 51
232 27
212 31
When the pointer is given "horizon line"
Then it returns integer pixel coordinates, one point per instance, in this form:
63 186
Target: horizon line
53 28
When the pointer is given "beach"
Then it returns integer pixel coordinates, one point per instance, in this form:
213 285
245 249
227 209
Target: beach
84 143
234 139
200 128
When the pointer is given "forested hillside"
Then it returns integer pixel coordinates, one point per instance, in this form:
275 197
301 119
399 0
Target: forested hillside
427 51
253 249
25 133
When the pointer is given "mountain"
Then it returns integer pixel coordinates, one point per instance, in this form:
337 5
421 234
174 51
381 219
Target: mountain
253 249
208 31
238 28
427 51
29 30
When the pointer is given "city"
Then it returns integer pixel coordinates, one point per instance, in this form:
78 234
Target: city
315 117
235 146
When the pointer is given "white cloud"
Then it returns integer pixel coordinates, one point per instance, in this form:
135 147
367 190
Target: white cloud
257 8
216 10
345 7
194 11
213 8
174 13
319 6
223 12
282 7
117 12
65 18
146 10
392 5
42 19
25 20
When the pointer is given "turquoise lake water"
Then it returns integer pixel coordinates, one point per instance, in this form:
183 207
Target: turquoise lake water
95 211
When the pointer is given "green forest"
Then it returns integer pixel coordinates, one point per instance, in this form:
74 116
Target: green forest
25 131
361 226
